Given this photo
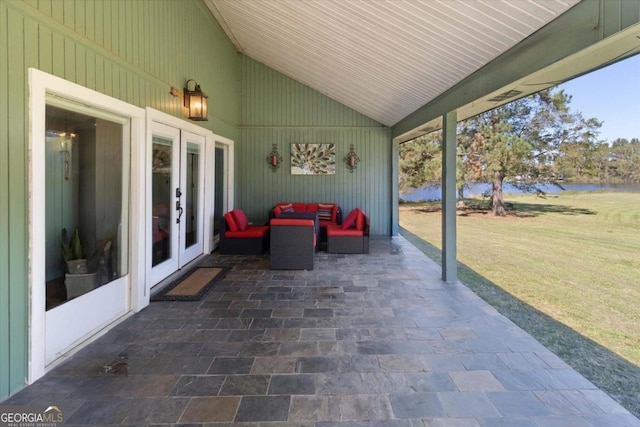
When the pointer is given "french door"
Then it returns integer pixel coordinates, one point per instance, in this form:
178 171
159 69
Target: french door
176 199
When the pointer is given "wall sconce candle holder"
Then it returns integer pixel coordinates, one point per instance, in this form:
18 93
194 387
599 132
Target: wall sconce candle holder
196 101
274 159
351 159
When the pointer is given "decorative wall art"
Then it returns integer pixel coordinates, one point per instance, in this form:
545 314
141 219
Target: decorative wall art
313 159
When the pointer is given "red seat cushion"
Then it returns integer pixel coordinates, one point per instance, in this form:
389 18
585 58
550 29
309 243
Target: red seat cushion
241 219
160 235
350 220
338 231
251 232
231 222
292 222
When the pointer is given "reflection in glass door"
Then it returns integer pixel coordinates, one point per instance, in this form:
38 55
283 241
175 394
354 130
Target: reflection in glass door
163 183
191 199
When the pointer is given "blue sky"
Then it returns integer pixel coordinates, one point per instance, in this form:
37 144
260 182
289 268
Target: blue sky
612 95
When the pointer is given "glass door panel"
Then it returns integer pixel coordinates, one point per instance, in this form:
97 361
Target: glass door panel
220 191
192 189
163 199
86 194
192 194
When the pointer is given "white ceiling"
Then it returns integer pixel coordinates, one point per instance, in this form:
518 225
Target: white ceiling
383 58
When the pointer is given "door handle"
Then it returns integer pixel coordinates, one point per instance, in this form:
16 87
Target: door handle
178 207
180 211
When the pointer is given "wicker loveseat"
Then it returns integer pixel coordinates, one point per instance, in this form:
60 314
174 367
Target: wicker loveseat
328 213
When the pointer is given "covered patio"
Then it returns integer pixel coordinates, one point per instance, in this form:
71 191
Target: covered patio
362 340
387 338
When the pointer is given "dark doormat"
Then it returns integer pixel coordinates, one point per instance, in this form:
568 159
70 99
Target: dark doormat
193 286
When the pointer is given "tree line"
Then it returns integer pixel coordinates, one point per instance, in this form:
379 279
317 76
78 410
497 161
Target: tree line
531 141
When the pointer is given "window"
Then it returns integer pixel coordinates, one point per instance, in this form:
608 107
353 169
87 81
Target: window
86 169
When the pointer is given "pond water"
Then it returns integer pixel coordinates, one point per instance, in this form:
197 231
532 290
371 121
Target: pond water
477 189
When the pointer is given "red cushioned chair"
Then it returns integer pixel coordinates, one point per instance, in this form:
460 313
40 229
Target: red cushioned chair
352 237
237 237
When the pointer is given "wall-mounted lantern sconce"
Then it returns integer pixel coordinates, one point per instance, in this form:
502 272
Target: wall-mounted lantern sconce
274 158
351 159
196 101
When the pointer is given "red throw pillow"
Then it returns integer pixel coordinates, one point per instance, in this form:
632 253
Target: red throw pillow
350 219
241 219
277 211
360 221
231 222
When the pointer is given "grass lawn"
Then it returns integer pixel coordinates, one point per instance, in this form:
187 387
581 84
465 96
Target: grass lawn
574 257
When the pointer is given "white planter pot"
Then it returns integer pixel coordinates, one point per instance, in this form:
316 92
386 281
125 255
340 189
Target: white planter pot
79 284
77 266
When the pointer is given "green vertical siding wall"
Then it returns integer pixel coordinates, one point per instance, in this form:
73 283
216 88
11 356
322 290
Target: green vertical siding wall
13 202
279 110
133 50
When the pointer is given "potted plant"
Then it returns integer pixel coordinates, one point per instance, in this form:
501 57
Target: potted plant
78 280
73 253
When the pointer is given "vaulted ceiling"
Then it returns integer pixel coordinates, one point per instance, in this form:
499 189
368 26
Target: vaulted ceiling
383 58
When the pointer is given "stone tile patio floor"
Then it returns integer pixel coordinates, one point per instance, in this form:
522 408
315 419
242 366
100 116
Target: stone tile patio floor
362 340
